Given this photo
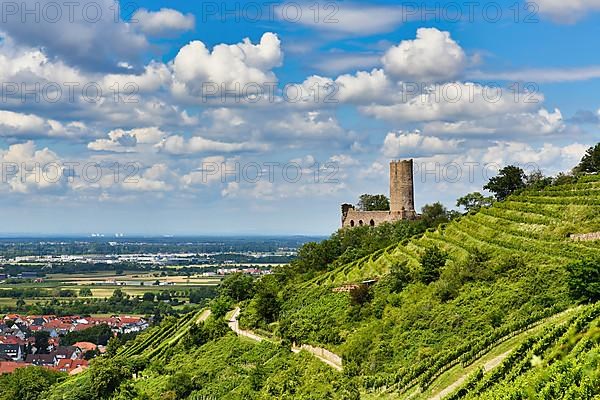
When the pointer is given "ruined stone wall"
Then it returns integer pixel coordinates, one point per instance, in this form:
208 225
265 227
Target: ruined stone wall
586 236
373 218
402 195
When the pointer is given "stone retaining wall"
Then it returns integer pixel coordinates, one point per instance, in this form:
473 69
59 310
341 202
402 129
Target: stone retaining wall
586 236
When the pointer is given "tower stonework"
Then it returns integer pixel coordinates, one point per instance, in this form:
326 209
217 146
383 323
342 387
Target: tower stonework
402 200
402 192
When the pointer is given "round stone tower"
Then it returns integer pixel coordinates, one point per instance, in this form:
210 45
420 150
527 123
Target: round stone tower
402 197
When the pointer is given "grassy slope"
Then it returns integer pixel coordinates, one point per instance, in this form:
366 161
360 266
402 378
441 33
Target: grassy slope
396 334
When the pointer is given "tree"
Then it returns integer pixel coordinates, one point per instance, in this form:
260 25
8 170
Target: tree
148 296
41 341
537 180
106 374
508 180
474 201
181 384
113 346
117 295
360 295
220 306
238 286
399 277
85 292
434 214
97 334
584 279
590 163
27 383
432 262
265 301
373 202
20 304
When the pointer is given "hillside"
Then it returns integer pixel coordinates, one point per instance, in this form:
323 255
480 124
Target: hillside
505 271
535 225
500 303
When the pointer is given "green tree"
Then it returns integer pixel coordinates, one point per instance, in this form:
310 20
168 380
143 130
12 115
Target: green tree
238 286
85 292
360 295
220 306
434 214
98 334
474 201
584 279
41 341
181 384
106 374
508 180
590 163
432 262
148 296
117 295
373 202
20 304
27 383
537 180
399 277
266 302
113 346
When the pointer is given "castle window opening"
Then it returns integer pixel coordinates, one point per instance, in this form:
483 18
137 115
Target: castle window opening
372 223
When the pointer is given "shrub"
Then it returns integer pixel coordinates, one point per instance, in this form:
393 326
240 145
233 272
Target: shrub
432 262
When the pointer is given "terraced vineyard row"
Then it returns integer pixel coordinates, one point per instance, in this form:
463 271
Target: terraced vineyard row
552 362
153 342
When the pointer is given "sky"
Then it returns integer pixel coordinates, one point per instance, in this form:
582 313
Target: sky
179 118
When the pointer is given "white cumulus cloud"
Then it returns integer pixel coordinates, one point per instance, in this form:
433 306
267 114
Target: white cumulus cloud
432 56
166 20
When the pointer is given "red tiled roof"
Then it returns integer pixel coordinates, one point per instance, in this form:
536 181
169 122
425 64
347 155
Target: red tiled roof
129 320
8 367
67 365
85 346
56 324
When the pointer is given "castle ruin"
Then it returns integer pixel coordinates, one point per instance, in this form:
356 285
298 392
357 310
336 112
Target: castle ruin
402 200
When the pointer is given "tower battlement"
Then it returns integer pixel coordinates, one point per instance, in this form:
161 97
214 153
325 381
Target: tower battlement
402 200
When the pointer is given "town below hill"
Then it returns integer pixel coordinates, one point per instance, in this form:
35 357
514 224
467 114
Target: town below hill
64 344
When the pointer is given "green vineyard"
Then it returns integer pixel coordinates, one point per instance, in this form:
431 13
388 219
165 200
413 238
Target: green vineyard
548 366
534 224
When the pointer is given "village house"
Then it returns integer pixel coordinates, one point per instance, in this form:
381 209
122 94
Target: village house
10 352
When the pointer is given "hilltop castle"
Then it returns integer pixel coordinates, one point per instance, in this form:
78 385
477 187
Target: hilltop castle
402 200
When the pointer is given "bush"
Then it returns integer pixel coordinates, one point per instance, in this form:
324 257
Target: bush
360 295
432 262
584 279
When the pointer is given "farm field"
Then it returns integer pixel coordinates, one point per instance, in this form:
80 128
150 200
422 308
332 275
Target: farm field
103 284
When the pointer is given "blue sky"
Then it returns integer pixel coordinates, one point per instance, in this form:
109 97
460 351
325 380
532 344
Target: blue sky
201 118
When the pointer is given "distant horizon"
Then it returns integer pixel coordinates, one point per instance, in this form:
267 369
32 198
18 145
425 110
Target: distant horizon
41 235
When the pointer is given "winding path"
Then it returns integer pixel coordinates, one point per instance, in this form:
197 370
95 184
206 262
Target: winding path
490 365
324 355
204 316
234 325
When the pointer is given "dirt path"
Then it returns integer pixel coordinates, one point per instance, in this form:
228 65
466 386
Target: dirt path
329 358
234 325
490 365
204 316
